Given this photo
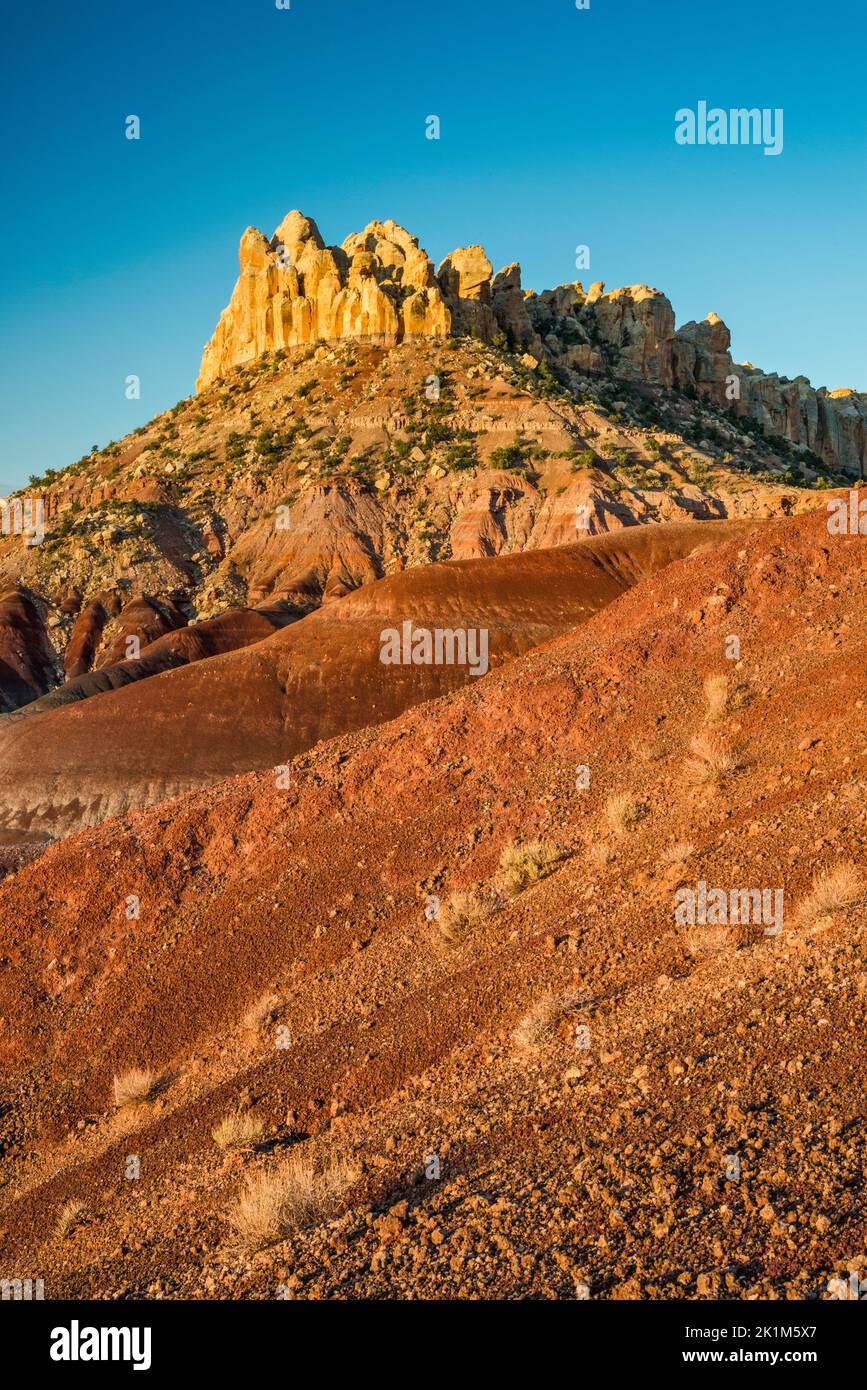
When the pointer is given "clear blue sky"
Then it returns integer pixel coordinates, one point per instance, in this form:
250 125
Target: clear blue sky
557 129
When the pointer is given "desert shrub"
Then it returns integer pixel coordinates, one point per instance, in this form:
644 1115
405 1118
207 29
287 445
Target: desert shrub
507 456
713 760
621 811
523 865
458 917
288 1198
49 476
716 694
436 432
833 890
619 456
547 380
236 445
698 473
460 456
678 853
73 1215
237 1131
134 1087
600 854
540 1023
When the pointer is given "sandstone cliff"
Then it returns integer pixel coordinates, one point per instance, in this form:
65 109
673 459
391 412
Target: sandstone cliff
381 286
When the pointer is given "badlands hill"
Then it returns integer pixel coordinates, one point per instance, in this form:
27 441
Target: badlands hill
67 762
359 413
546 1088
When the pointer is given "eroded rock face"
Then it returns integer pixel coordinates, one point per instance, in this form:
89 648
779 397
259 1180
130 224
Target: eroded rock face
87 632
701 357
143 619
636 325
380 285
465 277
831 424
28 667
510 305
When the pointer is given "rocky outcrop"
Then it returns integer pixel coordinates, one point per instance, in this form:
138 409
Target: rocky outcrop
635 327
511 312
832 425
701 357
465 277
381 286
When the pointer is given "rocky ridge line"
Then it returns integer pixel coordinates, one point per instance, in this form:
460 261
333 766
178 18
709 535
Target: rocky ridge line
380 285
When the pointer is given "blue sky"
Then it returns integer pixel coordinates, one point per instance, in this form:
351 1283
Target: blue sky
557 129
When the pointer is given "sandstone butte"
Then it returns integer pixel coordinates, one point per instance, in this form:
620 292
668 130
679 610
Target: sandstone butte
381 286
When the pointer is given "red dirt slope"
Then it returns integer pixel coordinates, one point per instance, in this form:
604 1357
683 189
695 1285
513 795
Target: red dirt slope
236 628
321 677
708 1140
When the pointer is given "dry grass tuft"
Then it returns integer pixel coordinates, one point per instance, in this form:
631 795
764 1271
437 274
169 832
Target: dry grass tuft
716 694
523 865
713 760
833 890
678 853
74 1214
260 1013
458 918
601 854
540 1022
237 1131
135 1087
621 811
275 1203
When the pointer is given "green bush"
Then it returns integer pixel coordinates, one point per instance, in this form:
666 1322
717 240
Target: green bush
460 456
236 445
509 456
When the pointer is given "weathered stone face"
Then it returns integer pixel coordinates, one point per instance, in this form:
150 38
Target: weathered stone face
637 325
381 285
832 425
